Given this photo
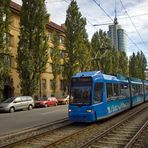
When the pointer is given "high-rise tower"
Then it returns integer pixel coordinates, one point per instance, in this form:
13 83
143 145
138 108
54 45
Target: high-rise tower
117 35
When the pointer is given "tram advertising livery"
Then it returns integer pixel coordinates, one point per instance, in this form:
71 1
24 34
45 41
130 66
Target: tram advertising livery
95 96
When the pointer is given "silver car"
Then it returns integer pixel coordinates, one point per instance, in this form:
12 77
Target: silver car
17 103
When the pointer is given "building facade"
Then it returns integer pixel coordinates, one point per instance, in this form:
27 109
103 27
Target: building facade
12 87
117 36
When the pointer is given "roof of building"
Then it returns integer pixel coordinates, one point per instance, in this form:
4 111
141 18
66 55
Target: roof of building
51 25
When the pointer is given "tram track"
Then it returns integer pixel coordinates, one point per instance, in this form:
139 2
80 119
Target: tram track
83 137
123 134
76 135
43 138
11 138
140 139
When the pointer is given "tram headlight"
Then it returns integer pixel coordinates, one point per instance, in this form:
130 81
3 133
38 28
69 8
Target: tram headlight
89 111
69 110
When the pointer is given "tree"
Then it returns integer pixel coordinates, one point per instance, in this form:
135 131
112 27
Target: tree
137 65
100 47
32 52
76 42
95 52
106 62
4 42
132 65
55 57
123 63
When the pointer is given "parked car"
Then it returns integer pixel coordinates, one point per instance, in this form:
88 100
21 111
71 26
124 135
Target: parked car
17 103
46 101
63 100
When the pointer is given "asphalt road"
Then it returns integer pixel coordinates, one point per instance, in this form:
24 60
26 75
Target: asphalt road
17 121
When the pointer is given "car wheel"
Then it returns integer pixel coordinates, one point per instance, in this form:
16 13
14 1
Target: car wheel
12 109
46 105
30 107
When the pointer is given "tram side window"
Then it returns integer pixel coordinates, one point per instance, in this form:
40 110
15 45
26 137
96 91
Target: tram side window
146 89
124 88
98 92
135 89
109 90
141 89
116 90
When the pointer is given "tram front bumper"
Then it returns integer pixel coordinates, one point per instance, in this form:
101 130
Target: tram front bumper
82 117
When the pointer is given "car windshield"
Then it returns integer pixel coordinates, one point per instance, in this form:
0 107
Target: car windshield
42 99
9 100
80 95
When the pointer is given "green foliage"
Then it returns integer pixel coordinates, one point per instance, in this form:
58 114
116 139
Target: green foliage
77 46
55 57
123 63
95 52
106 59
137 65
4 42
100 52
32 53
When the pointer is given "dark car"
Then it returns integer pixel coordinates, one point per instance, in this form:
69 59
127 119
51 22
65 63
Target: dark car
46 101
63 100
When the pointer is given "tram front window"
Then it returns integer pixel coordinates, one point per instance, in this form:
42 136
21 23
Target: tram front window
81 90
80 95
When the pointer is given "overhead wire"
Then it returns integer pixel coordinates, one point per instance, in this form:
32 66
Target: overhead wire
133 24
94 25
86 18
103 9
112 21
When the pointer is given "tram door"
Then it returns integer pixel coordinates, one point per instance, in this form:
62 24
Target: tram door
98 96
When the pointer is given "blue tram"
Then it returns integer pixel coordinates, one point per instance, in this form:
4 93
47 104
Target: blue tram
95 96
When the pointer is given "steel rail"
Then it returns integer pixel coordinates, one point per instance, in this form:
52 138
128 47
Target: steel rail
132 141
87 144
56 143
58 123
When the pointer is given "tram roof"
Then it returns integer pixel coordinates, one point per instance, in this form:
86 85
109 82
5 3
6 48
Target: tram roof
100 75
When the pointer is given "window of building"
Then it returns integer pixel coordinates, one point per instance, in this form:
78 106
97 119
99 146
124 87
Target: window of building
50 67
6 58
43 84
62 54
61 69
11 40
61 39
49 51
51 84
49 35
62 85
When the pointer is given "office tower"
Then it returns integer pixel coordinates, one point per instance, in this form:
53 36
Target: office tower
117 36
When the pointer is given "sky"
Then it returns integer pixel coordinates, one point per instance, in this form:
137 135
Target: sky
132 16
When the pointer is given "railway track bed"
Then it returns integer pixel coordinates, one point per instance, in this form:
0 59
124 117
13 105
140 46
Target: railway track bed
79 135
31 132
123 134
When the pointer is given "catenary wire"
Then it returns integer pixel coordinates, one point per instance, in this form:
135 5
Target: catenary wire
133 24
112 21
